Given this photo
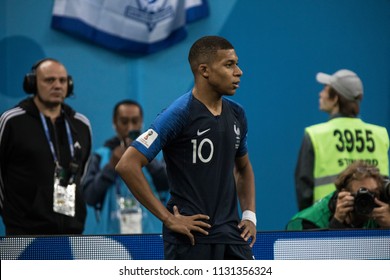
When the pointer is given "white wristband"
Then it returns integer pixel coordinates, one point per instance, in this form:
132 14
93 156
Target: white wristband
249 215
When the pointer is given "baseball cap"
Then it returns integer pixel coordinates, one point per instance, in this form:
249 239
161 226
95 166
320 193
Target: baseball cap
344 81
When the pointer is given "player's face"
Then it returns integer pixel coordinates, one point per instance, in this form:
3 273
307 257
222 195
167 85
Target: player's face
128 119
224 73
52 83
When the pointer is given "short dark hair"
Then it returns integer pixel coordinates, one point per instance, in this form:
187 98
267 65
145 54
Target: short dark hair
126 102
203 50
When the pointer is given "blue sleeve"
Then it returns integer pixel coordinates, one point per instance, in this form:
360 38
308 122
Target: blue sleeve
168 124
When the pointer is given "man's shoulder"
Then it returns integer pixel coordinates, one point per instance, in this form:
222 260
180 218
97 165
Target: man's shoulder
316 212
13 119
313 126
11 114
353 123
76 116
182 102
69 111
333 122
24 106
176 113
377 126
82 118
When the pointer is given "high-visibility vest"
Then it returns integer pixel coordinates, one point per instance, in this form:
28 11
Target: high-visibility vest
341 141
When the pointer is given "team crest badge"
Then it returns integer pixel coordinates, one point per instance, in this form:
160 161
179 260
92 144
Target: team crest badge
149 12
238 135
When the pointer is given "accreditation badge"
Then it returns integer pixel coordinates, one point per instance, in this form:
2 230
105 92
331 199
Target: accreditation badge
64 198
130 215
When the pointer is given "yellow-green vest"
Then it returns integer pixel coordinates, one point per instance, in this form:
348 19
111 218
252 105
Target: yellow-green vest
341 141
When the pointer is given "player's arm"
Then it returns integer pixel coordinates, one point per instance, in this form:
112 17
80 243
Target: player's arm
129 168
245 181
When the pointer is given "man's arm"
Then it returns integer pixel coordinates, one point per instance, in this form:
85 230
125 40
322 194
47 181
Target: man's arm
97 181
4 148
129 168
245 181
304 179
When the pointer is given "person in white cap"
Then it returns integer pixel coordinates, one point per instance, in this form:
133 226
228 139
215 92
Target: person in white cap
328 148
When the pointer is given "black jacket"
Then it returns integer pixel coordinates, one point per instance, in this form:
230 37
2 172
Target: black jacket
27 170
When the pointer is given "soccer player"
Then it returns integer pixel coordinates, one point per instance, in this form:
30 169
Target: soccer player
203 136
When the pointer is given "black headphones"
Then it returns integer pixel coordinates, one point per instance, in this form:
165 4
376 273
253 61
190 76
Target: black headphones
30 79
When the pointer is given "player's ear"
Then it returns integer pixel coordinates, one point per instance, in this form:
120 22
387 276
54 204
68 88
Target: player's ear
203 70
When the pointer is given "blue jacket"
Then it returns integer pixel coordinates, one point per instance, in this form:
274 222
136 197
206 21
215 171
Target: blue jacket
102 185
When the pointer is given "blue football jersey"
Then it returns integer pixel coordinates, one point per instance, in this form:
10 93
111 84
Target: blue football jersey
200 151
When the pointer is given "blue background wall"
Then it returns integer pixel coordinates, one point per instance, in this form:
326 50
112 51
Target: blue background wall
281 44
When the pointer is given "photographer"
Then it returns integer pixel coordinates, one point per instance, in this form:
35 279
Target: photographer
329 147
361 200
112 209
44 148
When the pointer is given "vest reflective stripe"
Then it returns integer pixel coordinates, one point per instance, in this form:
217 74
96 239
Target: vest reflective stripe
339 142
325 180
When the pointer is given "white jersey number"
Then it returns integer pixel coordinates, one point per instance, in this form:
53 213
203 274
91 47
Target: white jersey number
197 150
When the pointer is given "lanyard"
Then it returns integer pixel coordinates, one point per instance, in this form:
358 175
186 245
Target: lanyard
70 139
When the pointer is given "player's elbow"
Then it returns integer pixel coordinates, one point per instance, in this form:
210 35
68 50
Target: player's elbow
121 166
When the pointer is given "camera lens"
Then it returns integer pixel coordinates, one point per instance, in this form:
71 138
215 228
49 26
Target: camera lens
364 202
386 191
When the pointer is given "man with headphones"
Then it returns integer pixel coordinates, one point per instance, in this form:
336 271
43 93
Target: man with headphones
45 146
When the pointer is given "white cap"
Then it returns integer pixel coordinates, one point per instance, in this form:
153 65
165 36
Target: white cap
345 82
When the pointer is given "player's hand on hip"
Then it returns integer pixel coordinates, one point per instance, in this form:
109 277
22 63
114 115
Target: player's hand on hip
187 224
248 230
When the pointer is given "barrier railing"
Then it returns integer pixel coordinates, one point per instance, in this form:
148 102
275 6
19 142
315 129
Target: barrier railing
278 245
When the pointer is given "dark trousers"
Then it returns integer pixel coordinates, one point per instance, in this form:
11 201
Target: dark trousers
207 252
